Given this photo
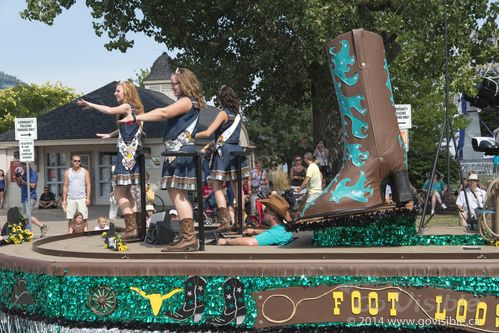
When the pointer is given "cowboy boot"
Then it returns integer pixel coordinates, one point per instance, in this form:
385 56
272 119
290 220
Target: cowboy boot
235 306
130 233
194 288
188 242
373 147
224 218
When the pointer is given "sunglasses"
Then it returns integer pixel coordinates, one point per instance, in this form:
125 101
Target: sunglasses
76 161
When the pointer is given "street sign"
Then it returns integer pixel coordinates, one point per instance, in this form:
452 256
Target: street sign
26 129
26 151
404 118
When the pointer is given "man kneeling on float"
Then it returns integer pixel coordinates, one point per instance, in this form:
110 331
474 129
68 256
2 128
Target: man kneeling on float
275 214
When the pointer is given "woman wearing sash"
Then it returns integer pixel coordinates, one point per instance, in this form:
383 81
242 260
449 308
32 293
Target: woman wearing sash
179 173
227 127
127 171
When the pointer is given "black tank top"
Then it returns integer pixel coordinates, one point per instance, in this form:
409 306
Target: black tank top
298 182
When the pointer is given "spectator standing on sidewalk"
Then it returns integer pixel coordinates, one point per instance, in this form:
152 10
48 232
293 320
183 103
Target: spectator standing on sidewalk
2 188
313 178
258 181
76 190
321 154
303 147
22 182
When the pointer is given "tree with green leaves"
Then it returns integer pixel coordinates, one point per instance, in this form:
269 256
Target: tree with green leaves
7 80
140 77
31 100
272 53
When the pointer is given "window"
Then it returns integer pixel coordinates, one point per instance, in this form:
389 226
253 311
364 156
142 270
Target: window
55 167
105 173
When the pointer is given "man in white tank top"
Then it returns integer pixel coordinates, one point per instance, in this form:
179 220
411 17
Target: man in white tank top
76 190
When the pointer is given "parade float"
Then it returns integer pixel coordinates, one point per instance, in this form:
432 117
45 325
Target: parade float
356 266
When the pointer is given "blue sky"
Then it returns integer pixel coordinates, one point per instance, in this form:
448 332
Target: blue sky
68 51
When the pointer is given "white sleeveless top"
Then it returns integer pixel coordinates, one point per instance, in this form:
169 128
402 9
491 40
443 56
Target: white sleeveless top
76 184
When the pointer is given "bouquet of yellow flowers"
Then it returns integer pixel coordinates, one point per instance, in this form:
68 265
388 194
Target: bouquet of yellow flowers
113 242
17 235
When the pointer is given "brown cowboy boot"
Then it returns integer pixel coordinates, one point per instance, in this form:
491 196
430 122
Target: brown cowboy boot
130 233
188 242
224 218
373 147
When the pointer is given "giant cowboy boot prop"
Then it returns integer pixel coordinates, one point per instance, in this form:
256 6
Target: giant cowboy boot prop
373 147
188 242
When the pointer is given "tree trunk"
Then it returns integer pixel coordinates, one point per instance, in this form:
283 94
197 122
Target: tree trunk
326 115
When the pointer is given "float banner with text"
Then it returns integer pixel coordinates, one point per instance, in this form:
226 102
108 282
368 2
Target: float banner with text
377 305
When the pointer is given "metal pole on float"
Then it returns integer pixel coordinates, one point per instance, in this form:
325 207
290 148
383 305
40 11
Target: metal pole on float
199 193
26 131
28 200
496 224
239 155
142 195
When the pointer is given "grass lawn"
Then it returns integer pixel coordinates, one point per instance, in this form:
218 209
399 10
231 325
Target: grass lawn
441 220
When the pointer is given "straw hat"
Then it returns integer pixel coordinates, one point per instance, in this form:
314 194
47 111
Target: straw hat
473 176
279 205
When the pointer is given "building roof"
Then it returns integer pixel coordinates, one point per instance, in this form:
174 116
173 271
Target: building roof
71 122
160 69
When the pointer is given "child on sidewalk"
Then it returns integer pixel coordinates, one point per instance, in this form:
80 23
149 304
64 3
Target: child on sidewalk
101 224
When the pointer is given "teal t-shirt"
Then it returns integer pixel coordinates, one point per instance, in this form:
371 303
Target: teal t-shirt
277 235
436 186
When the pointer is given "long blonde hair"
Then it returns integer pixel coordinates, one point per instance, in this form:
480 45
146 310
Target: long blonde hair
279 179
190 86
131 95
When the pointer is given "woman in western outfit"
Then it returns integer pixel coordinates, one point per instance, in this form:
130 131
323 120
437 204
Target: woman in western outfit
227 129
127 170
179 173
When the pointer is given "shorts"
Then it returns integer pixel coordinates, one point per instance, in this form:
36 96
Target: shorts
25 208
74 206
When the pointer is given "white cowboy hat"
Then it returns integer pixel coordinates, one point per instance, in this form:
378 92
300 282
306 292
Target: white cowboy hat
473 176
